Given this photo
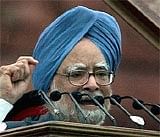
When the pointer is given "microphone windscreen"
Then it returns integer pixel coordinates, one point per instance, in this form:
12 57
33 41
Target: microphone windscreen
117 98
55 95
155 110
100 99
136 105
77 96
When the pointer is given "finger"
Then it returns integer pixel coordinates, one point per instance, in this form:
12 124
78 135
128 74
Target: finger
11 71
4 71
30 59
29 63
25 70
17 73
7 70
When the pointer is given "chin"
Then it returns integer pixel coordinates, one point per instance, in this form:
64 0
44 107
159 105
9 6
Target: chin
93 113
89 107
73 114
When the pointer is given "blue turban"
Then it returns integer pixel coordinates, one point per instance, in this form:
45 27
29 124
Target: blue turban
60 37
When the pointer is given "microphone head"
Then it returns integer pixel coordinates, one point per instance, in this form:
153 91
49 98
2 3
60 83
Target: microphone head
155 110
55 95
117 98
77 95
135 105
100 99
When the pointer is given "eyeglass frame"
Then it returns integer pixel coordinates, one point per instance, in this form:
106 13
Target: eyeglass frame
89 74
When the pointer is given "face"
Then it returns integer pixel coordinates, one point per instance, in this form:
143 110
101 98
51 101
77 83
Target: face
87 57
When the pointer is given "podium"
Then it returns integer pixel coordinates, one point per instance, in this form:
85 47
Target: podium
69 129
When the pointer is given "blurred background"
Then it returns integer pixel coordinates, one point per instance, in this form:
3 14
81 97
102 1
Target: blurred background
22 21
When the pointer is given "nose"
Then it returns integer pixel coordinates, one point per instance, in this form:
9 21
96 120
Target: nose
91 85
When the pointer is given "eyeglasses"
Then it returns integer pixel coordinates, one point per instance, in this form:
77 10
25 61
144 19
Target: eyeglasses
81 77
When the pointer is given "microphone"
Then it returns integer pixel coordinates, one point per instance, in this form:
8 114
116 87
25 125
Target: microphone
77 95
137 104
154 108
56 95
139 121
50 103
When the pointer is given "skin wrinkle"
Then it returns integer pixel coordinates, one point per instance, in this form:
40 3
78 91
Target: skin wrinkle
84 54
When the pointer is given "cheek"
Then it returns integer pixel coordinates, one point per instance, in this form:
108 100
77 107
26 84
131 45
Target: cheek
107 91
63 85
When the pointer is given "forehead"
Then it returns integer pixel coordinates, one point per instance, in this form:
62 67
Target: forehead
85 52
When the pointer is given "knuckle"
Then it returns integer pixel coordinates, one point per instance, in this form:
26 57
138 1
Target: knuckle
24 61
4 69
20 64
20 58
18 69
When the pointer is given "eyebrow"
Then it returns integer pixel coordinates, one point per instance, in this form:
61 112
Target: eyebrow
75 67
102 65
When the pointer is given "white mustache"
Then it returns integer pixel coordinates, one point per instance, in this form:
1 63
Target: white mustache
91 93
85 96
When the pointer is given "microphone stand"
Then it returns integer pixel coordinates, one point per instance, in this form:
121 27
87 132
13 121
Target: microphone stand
51 104
56 95
142 106
77 105
102 108
155 108
139 121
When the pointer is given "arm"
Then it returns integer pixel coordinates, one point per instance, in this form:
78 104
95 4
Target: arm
14 80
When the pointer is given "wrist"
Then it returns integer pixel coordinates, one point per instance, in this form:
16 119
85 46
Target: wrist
10 99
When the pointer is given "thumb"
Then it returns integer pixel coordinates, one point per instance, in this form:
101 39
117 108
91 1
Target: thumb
32 67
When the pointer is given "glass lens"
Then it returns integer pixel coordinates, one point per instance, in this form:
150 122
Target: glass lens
78 77
102 77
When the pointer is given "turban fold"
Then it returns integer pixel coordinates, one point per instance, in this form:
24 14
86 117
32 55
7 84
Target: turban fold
60 37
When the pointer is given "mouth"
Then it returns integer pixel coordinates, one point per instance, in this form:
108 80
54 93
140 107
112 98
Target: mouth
86 101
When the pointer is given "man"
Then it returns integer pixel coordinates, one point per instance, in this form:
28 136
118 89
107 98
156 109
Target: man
79 51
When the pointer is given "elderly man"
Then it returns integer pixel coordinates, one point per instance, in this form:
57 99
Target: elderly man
79 51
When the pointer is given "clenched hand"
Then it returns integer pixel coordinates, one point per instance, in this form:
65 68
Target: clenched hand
15 78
